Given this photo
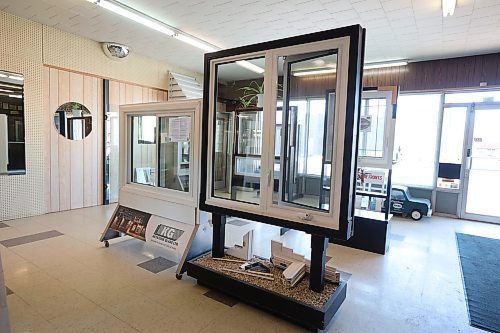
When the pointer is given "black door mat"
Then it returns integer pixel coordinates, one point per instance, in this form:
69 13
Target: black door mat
157 265
480 262
30 238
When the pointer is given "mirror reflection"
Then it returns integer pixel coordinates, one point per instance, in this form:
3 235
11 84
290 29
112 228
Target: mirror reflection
73 121
12 145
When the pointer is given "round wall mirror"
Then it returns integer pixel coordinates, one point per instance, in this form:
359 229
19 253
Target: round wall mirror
73 121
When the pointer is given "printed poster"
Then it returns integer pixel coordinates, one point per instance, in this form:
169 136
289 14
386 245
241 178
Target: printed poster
131 222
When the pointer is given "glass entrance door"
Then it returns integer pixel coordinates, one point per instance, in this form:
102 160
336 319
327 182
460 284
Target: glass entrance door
482 165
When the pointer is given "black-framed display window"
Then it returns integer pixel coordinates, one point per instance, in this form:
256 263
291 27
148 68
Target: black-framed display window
277 158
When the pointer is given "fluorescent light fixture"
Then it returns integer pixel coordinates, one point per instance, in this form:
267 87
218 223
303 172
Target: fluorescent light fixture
15 77
3 75
315 72
7 91
196 42
386 64
250 66
141 18
135 16
449 7
16 96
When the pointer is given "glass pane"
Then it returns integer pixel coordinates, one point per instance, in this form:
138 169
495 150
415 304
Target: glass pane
144 150
315 138
473 96
305 163
238 130
415 139
372 127
452 141
372 180
174 164
484 172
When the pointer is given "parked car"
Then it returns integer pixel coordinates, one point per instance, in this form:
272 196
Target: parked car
404 204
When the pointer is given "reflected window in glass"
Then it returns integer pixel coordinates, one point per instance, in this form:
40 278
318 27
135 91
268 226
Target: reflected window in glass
238 130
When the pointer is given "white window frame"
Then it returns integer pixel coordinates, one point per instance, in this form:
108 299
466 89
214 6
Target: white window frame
384 162
170 109
291 212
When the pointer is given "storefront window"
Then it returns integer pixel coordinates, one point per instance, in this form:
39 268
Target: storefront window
415 141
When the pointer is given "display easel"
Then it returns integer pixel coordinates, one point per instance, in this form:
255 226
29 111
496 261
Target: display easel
162 210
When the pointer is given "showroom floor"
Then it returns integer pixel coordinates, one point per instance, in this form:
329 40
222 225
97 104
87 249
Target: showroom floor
71 283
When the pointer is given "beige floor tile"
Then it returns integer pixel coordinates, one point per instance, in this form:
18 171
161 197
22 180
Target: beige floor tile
24 318
76 284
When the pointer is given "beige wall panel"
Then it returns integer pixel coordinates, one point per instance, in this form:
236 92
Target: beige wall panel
100 130
77 158
137 98
123 93
54 139
96 141
64 150
88 159
154 96
21 52
129 94
46 133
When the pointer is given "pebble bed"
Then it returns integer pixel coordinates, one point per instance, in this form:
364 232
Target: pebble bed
300 292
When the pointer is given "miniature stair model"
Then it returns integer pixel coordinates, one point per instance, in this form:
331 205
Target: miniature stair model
183 87
283 257
294 273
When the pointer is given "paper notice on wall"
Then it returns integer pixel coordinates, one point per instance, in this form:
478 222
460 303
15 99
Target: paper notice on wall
179 129
365 124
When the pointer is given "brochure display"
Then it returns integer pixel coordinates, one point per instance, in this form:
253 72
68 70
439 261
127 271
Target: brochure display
280 123
159 189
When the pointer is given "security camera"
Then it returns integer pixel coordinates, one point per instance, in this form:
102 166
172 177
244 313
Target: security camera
115 51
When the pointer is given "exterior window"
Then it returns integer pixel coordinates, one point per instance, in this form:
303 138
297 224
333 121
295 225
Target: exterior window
452 141
415 141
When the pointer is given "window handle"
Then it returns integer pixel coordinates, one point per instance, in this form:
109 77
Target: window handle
269 178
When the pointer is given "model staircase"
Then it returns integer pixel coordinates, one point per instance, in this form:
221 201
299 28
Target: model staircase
183 87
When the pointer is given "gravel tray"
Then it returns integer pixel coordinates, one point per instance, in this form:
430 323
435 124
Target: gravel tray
300 292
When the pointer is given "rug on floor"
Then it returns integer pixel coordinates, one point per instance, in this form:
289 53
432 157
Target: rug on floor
480 262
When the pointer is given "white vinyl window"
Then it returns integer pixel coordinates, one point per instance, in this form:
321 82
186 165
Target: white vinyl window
159 151
376 130
268 152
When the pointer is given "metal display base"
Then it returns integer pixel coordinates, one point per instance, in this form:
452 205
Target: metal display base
302 314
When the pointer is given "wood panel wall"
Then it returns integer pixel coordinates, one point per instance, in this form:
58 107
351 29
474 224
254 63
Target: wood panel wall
74 169
453 73
443 74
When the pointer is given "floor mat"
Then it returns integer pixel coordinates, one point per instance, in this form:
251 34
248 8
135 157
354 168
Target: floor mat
479 259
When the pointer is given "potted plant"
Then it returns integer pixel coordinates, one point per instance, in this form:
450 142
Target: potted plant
253 94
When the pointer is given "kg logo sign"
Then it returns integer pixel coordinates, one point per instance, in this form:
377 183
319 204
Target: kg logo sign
167 233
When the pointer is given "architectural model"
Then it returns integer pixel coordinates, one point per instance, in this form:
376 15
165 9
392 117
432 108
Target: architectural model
283 257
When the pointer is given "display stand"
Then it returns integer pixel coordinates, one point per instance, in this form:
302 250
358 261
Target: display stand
159 190
272 189
371 227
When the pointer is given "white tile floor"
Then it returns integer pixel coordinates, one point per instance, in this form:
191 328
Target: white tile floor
72 283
